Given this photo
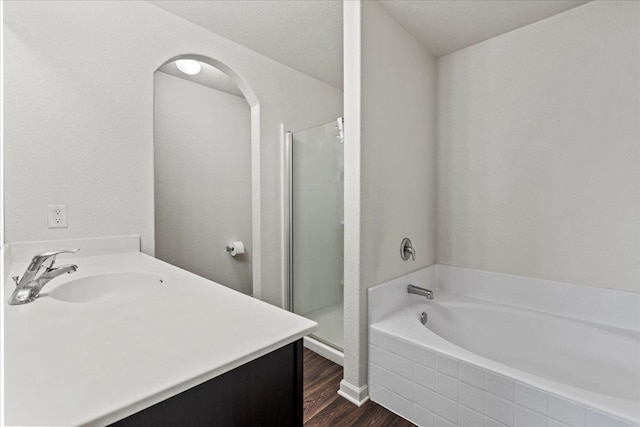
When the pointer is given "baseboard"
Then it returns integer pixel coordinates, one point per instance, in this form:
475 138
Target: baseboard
324 350
356 395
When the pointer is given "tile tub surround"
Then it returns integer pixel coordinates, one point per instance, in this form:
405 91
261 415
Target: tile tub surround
429 387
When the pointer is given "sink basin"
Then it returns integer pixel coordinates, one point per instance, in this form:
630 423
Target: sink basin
111 286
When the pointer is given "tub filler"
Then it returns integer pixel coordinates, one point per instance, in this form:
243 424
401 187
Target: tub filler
494 352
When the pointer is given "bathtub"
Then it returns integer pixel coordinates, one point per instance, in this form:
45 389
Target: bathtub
478 362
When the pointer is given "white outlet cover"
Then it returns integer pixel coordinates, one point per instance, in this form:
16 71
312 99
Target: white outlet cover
57 216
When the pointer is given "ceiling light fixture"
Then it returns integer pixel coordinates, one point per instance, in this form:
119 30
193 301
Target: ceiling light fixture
188 66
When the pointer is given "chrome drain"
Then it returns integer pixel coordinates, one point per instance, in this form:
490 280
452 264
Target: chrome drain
424 318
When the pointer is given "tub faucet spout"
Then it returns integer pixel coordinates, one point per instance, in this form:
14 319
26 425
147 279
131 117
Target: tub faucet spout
412 289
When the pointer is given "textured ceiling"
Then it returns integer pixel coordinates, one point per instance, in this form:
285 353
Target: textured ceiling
446 26
305 35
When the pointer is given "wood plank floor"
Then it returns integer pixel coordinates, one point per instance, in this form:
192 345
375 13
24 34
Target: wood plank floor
323 407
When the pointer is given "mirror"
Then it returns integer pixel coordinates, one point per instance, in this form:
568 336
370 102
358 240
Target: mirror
202 172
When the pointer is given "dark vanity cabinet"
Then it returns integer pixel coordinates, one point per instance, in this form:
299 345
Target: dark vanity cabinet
264 392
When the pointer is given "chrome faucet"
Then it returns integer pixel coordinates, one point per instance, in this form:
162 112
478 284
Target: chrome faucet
412 289
28 288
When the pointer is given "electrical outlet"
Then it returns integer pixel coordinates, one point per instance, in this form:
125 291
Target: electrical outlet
57 216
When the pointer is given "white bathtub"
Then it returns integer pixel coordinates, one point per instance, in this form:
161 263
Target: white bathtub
479 362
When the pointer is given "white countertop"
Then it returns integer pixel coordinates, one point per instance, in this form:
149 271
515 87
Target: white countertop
94 363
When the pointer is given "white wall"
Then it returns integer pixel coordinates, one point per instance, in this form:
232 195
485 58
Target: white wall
78 114
539 150
392 121
398 148
202 179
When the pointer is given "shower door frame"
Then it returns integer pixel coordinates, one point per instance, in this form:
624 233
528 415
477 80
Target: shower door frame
288 225
289 228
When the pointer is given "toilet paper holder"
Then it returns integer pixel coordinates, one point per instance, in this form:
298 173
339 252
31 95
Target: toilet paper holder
235 248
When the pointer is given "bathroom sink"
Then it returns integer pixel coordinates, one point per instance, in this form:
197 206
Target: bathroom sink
109 287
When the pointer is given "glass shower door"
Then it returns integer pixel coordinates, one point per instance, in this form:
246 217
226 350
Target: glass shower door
317 227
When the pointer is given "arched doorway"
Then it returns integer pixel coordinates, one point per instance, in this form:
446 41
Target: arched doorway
206 171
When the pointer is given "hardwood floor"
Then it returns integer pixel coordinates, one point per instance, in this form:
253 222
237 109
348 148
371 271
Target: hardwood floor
323 407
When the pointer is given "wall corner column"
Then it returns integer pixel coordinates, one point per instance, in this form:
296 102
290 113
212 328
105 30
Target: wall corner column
353 386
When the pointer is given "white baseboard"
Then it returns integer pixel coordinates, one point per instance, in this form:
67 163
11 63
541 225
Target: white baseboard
356 395
324 350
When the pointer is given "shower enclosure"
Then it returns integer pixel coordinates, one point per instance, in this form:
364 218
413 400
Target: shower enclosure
316 227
